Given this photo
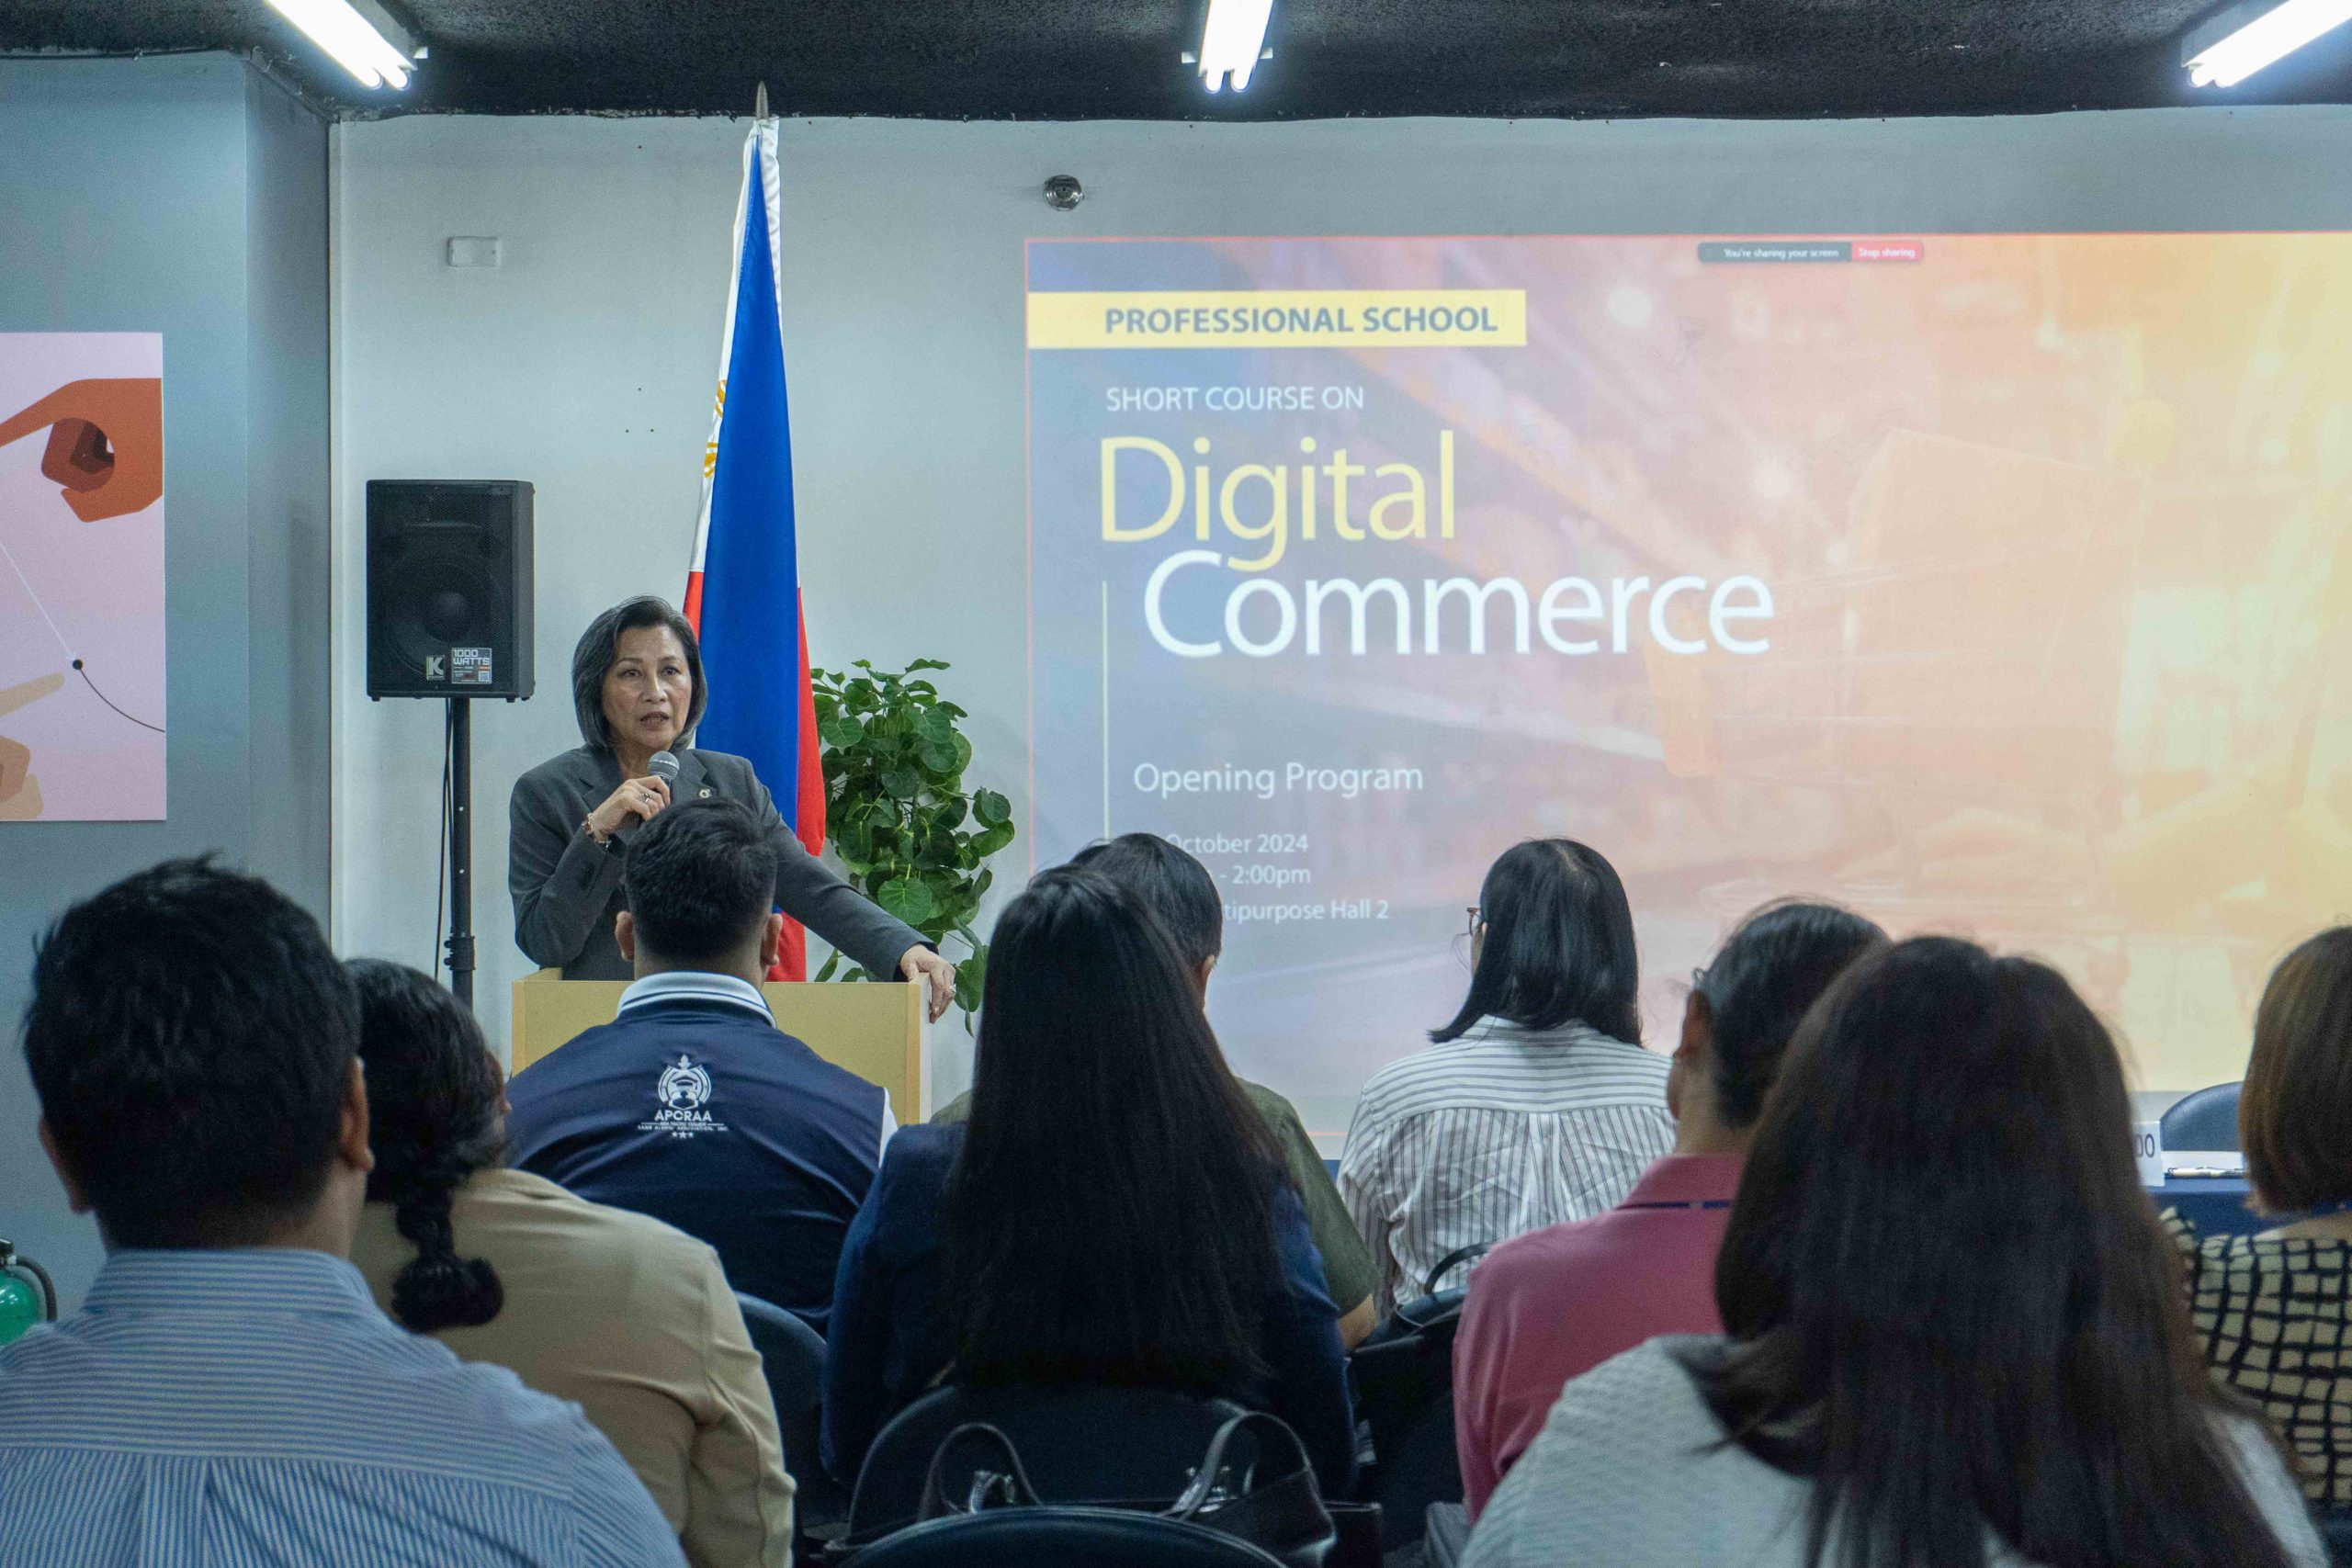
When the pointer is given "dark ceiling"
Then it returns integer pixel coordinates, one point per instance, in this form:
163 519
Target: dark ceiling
1118 58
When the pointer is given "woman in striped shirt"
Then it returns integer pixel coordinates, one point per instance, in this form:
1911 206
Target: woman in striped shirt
1536 1103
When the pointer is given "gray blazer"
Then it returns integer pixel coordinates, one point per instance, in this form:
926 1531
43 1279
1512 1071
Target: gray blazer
567 887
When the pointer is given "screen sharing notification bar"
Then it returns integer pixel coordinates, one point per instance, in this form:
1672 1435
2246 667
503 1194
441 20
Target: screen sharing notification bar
1722 250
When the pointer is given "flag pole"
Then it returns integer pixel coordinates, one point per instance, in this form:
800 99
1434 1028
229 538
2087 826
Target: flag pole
760 104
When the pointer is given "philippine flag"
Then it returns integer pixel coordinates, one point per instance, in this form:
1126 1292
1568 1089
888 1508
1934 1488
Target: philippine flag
743 595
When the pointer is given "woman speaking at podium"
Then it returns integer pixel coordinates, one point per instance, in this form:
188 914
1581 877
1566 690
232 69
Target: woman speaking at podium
636 684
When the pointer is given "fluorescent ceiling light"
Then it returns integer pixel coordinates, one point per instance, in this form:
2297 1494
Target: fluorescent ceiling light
352 39
2241 42
1234 37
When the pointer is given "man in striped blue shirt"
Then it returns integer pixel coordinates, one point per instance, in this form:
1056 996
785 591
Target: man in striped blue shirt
230 1393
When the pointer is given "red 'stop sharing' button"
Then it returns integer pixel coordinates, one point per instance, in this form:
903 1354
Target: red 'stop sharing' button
1888 250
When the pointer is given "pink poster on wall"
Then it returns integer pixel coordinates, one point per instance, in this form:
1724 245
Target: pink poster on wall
81 577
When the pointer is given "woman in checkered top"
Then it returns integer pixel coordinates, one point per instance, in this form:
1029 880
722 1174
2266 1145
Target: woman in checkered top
2274 1311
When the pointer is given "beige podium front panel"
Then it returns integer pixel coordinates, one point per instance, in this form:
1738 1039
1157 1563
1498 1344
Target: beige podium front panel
872 1028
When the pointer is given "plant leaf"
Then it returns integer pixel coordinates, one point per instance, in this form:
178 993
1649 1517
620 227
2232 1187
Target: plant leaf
971 978
910 835
906 899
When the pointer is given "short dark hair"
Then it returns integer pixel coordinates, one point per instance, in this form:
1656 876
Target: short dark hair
191 1039
700 878
1559 945
599 644
433 1121
1767 972
2297 1102
1175 887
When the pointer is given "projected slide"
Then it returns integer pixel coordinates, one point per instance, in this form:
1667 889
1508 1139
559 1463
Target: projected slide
1989 585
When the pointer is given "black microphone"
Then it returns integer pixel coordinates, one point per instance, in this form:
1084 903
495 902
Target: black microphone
662 765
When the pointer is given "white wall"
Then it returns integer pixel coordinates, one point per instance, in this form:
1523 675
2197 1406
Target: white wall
586 364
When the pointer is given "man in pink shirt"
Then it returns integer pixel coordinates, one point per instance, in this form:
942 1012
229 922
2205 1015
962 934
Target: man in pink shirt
1556 1303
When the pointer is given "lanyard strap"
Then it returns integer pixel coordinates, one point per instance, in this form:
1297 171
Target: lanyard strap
1699 1203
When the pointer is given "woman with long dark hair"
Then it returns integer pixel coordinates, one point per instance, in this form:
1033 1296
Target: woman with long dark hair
619 1312
1113 1211
1953 1329
1536 1104
2257 1299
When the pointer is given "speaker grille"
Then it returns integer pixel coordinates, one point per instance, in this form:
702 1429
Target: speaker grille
449 588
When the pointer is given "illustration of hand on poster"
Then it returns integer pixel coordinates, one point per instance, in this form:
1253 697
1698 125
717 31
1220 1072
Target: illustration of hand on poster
81 577
20 789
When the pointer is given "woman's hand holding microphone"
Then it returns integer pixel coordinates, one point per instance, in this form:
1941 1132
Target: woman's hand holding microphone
637 800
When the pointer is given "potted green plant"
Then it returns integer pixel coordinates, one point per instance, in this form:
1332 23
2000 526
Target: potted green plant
911 837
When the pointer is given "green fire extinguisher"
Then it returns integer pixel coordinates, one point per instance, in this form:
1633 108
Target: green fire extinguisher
27 1294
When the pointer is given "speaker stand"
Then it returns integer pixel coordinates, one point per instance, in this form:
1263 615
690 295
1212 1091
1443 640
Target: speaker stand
461 850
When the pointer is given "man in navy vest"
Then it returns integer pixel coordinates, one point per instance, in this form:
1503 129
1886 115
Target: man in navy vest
692 1106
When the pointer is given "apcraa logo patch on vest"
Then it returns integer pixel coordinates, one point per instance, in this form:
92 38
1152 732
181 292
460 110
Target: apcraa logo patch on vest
680 1092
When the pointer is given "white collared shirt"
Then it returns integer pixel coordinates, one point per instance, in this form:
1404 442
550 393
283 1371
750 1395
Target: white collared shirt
697 984
706 985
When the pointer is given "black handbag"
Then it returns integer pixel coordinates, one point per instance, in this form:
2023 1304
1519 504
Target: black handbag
1284 1517
1407 1364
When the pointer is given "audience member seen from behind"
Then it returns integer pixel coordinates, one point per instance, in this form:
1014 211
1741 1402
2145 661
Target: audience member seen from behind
1183 896
230 1391
1113 1213
2274 1312
621 1315
1537 1104
1556 1303
692 1106
1953 1327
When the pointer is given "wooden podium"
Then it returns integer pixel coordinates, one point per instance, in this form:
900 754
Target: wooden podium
876 1029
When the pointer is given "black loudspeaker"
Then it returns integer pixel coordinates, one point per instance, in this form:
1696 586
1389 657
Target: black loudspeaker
450 588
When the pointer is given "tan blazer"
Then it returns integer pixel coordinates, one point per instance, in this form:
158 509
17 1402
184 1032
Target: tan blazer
634 1322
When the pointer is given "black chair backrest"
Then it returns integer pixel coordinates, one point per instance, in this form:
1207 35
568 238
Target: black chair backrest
1078 1445
791 1355
2205 1120
1061 1538
2335 1534
1403 1378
